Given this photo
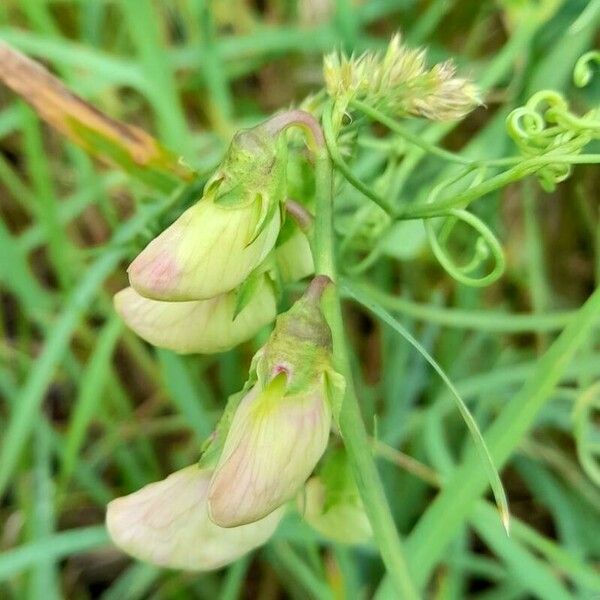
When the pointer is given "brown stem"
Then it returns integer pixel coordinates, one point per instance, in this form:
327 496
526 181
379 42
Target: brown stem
317 286
302 217
297 118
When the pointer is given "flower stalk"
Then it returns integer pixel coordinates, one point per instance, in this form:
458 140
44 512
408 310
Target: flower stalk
351 424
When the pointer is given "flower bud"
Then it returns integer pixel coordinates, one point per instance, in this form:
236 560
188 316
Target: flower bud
294 258
214 245
203 326
281 427
166 523
344 522
332 505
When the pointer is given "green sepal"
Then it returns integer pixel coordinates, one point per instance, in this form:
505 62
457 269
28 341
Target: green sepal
245 292
336 388
288 229
254 164
301 341
234 197
274 277
213 446
266 210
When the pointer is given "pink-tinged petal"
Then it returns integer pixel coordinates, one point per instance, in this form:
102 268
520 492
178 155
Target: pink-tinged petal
272 447
207 251
200 326
166 523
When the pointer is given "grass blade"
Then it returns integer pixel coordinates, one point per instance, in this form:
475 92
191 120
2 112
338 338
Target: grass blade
480 445
55 547
119 143
91 390
449 510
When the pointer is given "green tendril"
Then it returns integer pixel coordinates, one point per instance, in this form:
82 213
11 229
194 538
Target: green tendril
550 139
487 247
396 127
583 72
367 226
545 127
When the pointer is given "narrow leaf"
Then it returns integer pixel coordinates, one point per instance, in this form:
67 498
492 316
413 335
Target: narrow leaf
480 445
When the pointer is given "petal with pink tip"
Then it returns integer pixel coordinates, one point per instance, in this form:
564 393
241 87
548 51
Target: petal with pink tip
272 446
207 251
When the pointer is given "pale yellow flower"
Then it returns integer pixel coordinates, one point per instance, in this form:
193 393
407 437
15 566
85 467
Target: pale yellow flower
274 443
166 523
210 249
281 426
204 326
343 520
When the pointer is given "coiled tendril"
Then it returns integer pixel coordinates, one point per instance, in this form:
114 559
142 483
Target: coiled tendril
368 225
583 72
486 247
545 126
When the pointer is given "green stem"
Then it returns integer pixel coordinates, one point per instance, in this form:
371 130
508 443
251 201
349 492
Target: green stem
351 424
340 163
396 127
516 173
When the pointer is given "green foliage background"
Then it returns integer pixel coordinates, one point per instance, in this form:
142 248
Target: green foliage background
88 412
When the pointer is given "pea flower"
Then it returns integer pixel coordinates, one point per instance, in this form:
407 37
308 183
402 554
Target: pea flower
268 441
281 426
210 280
166 523
214 245
204 326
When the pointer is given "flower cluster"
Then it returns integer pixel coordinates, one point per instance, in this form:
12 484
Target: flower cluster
399 83
271 436
205 284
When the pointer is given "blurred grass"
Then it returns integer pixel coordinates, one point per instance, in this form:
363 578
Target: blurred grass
88 412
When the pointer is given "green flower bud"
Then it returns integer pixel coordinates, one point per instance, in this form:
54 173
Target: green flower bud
281 427
214 245
344 522
331 503
294 258
166 523
203 326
